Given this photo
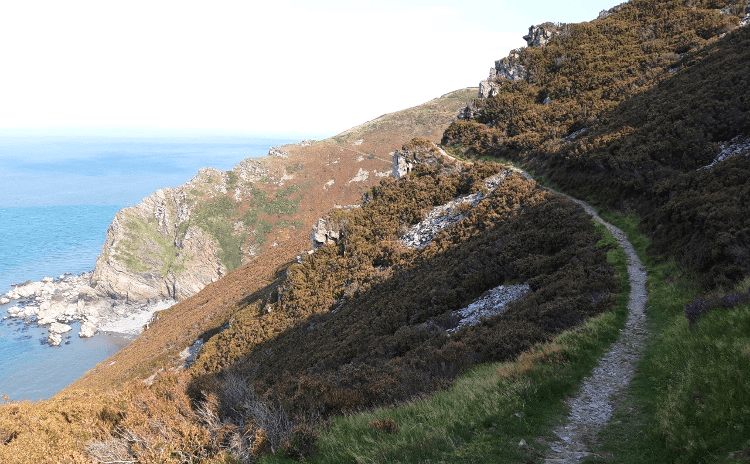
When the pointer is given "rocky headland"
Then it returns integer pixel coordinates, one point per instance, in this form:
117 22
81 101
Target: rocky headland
179 240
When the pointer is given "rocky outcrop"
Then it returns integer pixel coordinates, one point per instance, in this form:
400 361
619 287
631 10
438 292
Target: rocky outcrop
509 68
739 145
152 251
540 35
420 235
276 151
615 9
491 303
325 231
156 250
421 151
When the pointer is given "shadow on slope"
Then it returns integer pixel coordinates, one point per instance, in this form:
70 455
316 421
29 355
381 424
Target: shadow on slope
363 323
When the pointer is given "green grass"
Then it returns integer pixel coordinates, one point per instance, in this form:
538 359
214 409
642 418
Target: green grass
147 249
690 401
487 411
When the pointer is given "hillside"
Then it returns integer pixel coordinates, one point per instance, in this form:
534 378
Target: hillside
180 239
645 110
459 287
284 204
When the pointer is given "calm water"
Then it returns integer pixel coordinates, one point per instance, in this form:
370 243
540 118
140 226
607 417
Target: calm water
57 197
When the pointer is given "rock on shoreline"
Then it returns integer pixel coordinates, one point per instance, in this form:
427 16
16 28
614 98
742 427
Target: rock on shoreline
57 302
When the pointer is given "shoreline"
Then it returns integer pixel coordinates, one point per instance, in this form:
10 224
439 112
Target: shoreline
53 303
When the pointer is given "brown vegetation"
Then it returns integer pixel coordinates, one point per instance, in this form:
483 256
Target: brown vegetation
654 90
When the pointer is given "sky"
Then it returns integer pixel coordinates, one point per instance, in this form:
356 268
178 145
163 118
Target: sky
285 67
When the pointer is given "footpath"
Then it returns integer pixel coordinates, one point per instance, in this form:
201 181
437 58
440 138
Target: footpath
591 409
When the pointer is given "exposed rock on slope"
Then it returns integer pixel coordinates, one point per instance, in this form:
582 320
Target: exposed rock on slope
540 35
421 151
152 252
420 235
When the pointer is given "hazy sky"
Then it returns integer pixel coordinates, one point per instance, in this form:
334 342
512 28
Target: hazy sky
259 67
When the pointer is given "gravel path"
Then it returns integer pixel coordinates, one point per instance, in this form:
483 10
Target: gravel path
591 409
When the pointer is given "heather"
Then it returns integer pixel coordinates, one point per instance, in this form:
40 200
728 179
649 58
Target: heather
641 102
363 323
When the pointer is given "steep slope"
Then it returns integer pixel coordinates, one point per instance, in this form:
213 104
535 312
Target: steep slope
645 109
371 318
178 240
262 217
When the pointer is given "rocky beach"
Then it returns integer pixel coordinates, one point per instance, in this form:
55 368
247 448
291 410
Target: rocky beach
54 303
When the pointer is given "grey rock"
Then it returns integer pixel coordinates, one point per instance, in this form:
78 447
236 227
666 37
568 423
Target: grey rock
422 152
491 303
54 339
440 217
737 146
276 151
189 354
541 34
615 9
56 327
326 231
510 67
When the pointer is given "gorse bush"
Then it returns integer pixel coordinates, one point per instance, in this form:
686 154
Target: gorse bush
700 306
363 322
640 102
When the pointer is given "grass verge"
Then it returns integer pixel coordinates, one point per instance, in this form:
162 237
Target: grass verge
690 400
488 411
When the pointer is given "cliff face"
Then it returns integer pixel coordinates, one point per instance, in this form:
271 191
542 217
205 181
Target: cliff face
178 240
152 249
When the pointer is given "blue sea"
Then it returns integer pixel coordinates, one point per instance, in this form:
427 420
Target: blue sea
58 195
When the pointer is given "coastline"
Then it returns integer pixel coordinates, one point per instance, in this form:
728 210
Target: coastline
54 303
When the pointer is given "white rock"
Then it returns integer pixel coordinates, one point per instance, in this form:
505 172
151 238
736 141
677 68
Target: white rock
88 329
54 339
4 301
48 279
28 311
46 314
56 327
189 354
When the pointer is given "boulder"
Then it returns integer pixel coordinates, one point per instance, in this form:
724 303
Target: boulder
54 339
56 327
26 290
325 232
88 329
47 314
4 301
87 293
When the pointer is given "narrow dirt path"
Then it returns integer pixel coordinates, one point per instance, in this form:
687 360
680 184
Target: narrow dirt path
592 408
